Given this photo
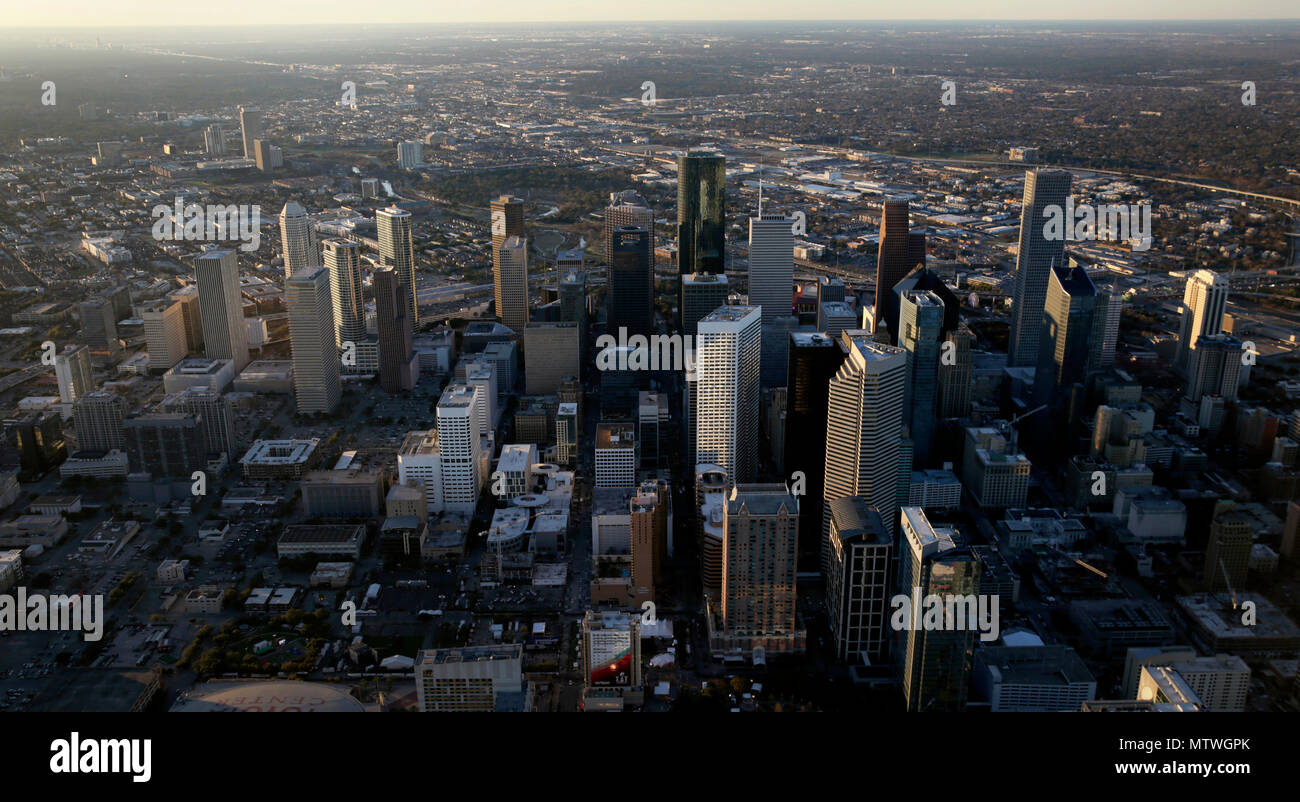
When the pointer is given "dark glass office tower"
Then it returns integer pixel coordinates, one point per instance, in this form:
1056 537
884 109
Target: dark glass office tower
812 361
1067 332
394 332
631 282
1034 261
900 253
701 213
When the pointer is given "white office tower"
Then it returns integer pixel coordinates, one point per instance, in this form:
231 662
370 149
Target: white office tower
221 307
771 287
343 261
460 446
311 335
483 375
250 127
864 420
727 362
72 369
397 252
512 283
410 155
297 239
1204 300
164 333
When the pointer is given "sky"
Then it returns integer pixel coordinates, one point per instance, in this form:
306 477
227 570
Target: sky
97 13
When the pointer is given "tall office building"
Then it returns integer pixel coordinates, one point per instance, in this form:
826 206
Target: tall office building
250 128
216 416
573 297
760 544
297 239
627 208
214 140
611 649
701 294
510 276
164 333
935 663
899 253
343 261
631 282
701 213
551 354
72 370
1066 342
225 334
1214 368
316 383
98 323
191 315
395 349
857 588
955 373
813 360
920 329
727 391
1105 325
39 438
863 426
507 213
397 251
460 446
165 445
1227 553
649 537
98 417
1034 262
771 287
1205 299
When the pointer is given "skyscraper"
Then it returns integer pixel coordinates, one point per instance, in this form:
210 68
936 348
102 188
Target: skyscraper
343 261
627 208
397 251
1214 368
98 323
573 297
297 238
955 373
727 391
72 370
935 663
165 445
250 126
313 336
701 294
900 253
701 213
507 220
857 588
761 534
1067 336
1205 298
1034 261
920 329
216 416
395 350
225 335
771 287
164 333
813 360
1227 553
510 275
863 426
191 315
631 282
98 417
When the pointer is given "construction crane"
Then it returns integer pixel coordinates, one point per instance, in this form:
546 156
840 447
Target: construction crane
1228 581
1010 428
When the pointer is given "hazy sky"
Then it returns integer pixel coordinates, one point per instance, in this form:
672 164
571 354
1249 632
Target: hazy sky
45 13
